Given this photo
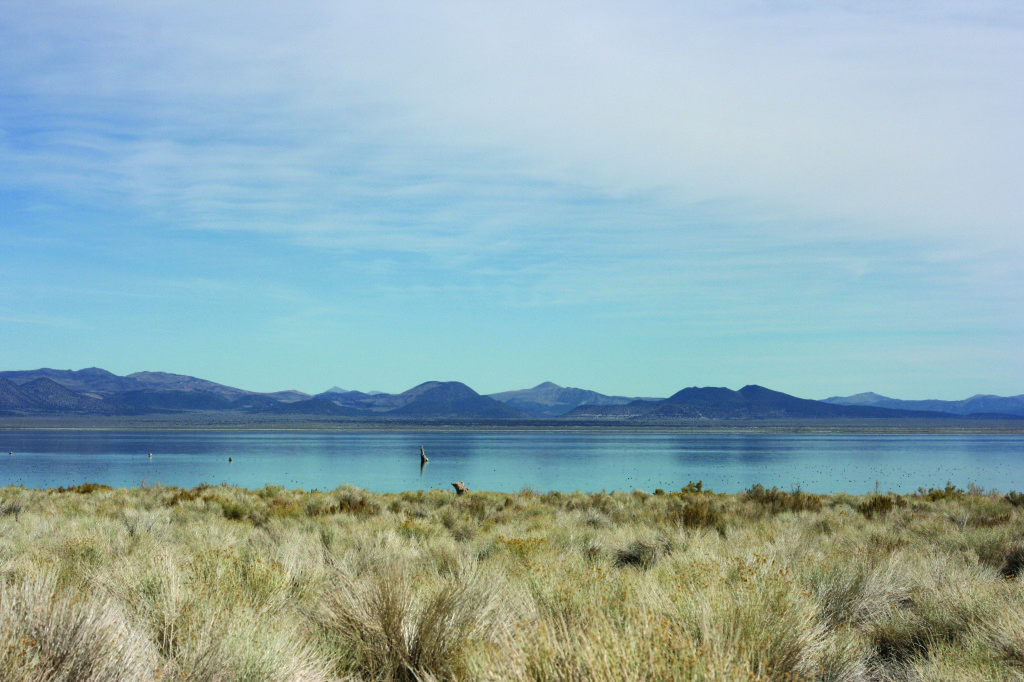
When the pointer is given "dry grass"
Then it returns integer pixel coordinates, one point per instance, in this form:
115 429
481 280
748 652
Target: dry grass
221 583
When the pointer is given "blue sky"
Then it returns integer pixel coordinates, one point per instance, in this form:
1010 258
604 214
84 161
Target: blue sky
823 198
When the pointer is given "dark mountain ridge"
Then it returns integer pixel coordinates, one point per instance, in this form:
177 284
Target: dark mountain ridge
750 402
453 399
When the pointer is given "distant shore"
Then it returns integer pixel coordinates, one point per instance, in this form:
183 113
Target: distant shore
234 422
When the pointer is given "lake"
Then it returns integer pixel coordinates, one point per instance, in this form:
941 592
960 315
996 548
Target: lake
510 461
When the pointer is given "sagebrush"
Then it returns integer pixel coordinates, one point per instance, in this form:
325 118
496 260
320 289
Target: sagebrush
223 583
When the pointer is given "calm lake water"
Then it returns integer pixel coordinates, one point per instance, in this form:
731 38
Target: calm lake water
510 461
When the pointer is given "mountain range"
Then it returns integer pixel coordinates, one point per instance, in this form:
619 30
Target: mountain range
94 391
978 404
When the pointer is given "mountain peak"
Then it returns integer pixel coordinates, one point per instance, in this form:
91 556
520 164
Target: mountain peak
868 398
95 372
438 388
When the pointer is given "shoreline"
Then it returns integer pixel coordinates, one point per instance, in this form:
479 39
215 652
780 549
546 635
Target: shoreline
899 426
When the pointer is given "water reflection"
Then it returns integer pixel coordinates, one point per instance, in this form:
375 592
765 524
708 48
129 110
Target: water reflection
725 462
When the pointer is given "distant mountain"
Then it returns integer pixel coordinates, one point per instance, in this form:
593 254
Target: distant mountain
430 400
284 396
979 404
91 380
97 391
357 399
152 401
44 394
10 393
94 391
750 402
551 400
313 406
859 399
13 397
163 381
453 399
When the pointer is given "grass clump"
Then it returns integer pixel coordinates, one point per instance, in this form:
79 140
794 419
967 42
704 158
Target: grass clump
394 625
47 633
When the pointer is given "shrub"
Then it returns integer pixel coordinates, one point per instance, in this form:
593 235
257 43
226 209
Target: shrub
356 502
1015 498
692 488
1013 561
698 514
233 510
639 554
84 488
876 504
776 501
950 492
11 508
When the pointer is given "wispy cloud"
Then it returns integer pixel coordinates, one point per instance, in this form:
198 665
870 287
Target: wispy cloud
725 164
881 117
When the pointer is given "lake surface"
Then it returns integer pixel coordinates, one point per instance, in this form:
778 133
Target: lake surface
511 461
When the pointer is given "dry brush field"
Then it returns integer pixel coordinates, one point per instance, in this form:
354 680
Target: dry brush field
223 583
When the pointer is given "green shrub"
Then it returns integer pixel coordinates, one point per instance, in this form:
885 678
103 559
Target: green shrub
233 510
639 554
876 504
84 488
1015 498
699 514
776 501
1013 561
950 492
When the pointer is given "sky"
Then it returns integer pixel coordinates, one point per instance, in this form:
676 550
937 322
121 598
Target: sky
824 198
